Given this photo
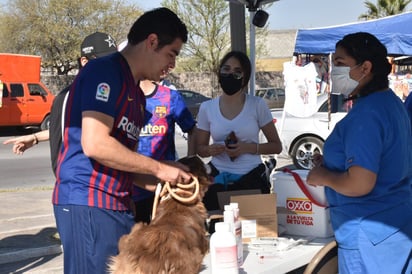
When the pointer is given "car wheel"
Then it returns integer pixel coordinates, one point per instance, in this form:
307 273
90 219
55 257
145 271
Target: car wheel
46 123
303 151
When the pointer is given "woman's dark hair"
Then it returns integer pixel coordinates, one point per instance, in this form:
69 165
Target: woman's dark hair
244 63
161 21
363 46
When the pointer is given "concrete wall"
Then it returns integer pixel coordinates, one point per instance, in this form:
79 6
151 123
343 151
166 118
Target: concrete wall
204 83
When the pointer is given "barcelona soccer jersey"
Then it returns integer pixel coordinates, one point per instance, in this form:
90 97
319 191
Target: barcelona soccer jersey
104 85
164 108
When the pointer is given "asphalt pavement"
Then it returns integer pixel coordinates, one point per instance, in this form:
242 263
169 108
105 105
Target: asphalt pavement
28 242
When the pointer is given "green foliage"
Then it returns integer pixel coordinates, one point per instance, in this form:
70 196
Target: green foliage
54 29
384 8
208 24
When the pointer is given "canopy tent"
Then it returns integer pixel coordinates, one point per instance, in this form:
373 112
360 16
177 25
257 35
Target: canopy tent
393 31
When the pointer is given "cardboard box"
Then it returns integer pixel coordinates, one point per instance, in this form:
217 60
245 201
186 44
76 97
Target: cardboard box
298 214
258 215
224 196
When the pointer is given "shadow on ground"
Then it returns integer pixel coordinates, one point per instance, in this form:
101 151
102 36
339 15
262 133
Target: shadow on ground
22 243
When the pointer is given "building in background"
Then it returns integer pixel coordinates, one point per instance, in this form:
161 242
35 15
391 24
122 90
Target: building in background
279 46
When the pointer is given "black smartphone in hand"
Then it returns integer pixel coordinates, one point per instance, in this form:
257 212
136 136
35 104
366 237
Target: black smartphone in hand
230 139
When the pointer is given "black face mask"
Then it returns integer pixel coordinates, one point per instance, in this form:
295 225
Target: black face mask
230 84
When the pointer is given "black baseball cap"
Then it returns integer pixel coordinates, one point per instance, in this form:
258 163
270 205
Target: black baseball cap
97 45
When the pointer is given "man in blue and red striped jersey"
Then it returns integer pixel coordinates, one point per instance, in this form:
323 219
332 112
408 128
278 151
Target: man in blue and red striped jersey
165 108
98 162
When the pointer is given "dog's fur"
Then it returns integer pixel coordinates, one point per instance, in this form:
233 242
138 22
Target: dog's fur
174 242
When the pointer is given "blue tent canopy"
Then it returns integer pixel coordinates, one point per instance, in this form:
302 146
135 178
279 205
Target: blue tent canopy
393 31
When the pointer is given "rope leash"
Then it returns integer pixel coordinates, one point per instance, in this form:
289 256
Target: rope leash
178 193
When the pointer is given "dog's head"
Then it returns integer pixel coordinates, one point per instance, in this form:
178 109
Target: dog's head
200 170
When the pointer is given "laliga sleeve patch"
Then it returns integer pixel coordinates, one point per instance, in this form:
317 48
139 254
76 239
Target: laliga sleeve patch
103 92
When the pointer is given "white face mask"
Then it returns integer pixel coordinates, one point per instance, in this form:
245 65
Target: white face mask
341 81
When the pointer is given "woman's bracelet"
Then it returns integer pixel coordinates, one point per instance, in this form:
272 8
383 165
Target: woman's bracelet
36 141
257 148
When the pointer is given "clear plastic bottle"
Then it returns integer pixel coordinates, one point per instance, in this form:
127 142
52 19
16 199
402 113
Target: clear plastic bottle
223 250
237 232
229 217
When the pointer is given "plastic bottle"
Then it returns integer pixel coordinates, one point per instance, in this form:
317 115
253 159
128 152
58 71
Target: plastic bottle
229 218
223 250
237 232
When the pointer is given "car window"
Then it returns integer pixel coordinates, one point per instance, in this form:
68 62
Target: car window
36 90
186 95
5 90
269 94
324 107
16 90
338 104
274 97
280 92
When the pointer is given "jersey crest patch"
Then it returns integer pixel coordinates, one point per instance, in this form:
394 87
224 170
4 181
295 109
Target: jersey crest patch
160 111
103 92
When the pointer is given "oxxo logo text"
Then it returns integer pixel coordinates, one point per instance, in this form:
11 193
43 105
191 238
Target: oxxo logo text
299 205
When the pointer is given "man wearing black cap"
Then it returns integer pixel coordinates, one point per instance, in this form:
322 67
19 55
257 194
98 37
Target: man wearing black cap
97 45
93 46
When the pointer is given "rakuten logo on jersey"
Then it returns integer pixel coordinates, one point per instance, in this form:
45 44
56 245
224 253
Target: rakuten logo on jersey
299 205
129 127
153 130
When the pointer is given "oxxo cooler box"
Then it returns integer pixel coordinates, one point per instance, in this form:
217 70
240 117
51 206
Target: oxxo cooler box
302 209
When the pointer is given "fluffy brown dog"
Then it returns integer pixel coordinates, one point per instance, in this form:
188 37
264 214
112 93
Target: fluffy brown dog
175 240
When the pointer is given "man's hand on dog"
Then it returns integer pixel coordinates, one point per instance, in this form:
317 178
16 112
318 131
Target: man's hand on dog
170 171
174 173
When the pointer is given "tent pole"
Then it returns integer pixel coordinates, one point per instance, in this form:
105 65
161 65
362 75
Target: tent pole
252 54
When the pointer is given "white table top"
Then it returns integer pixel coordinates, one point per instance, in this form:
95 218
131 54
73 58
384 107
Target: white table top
282 262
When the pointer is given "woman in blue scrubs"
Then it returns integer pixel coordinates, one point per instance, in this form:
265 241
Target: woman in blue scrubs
367 164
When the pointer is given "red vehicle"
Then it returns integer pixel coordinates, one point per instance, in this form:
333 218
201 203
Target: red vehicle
24 100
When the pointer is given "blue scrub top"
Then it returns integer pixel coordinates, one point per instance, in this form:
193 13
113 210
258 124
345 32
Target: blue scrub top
376 135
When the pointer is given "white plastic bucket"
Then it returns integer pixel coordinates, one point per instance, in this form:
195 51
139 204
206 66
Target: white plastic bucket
306 212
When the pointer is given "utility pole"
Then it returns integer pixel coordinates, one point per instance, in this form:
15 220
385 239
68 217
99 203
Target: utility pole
238 32
237 27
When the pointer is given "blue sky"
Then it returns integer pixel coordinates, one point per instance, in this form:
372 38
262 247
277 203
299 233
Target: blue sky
294 14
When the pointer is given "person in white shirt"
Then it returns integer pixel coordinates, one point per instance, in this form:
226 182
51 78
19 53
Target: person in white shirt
233 121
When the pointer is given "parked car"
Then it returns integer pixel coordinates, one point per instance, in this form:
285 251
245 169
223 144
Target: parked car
193 100
303 137
274 97
24 99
